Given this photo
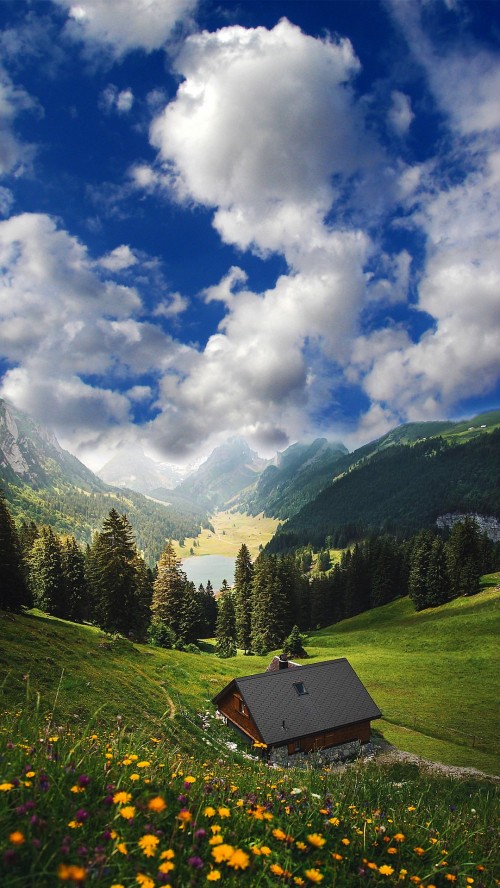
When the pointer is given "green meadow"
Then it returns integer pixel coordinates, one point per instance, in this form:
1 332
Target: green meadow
114 771
230 530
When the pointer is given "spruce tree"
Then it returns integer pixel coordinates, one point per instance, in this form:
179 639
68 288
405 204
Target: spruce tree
438 577
14 591
114 573
46 575
225 629
269 606
419 570
243 576
75 580
293 646
465 557
169 591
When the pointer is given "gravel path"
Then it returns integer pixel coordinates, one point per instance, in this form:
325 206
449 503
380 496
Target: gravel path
385 753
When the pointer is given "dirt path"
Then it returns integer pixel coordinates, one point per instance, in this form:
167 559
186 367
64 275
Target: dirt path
385 753
172 709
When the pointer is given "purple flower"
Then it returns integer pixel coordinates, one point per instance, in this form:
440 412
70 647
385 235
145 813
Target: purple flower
195 862
200 834
182 799
81 815
83 780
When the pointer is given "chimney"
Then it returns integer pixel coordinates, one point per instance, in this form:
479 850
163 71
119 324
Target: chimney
283 661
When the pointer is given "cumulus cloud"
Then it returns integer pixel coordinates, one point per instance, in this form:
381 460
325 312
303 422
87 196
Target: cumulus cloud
119 258
62 322
113 99
261 123
125 25
15 156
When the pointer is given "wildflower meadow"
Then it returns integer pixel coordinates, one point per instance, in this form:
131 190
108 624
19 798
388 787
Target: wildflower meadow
121 809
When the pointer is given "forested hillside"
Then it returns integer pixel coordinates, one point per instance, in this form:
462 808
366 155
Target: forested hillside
399 490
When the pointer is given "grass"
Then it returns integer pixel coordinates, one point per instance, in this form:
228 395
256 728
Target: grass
114 809
88 716
231 530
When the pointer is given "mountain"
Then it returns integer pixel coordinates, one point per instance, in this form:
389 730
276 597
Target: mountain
228 471
403 482
294 478
134 470
46 484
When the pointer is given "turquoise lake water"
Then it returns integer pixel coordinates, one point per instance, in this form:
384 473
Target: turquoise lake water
215 568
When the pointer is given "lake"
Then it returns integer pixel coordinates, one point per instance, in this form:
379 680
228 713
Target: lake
215 568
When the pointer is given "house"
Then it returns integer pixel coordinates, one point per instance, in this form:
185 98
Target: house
296 710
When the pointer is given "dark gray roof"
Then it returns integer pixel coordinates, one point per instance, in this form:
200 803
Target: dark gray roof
334 697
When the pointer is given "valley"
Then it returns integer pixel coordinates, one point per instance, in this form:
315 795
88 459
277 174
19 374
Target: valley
230 530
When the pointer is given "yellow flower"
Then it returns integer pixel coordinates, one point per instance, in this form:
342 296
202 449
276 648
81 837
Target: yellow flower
224 812
17 838
75 824
316 839
122 848
385 870
298 881
167 855
148 845
411 808
419 851
392 850
128 812
277 869
5 787
143 764
157 804
166 867
71 873
337 856
314 875
301 846
134 777
117 885
399 837
189 779
213 876
346 842
238 860
121 798
184 816
334 821
222 852
216 840
450 877
30 774
76 789
415 879
144 881
209 811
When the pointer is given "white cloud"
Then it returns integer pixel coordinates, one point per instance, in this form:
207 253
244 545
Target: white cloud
15 156
400 113
113 99
261 123
172 306
61 322
125 25
120 258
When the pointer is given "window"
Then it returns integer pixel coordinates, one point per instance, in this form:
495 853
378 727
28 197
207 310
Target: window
300 688
242 707
294 747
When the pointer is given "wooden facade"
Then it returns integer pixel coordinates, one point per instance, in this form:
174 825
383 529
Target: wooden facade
234 708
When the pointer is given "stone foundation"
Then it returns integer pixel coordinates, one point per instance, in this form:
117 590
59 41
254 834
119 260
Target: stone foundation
334 754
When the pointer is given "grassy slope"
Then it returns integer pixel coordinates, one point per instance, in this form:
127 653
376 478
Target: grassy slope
438 667
231 530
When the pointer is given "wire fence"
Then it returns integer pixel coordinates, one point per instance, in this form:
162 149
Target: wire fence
453 735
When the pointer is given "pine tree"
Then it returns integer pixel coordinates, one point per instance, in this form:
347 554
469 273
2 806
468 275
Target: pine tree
115 577
243 576
169 591
75 580
191 615
419 570
438 577
293 646
14 591
225 630
269 606
465 557
46 574
208 605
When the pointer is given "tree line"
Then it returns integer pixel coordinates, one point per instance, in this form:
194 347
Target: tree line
272 601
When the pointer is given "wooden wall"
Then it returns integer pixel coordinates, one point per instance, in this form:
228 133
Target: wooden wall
230 707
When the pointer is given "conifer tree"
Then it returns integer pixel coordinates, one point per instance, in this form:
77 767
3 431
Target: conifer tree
14 591
75 580
169 591
294 646
465 557
438 577
46 575
268 609
208 604
419 570
114 575
225 629
243 576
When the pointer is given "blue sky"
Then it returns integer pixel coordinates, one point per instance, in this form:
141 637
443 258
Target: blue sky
271 219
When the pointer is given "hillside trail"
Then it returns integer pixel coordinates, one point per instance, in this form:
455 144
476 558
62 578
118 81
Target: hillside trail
388 754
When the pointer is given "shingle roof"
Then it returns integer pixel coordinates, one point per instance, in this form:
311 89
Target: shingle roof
334 696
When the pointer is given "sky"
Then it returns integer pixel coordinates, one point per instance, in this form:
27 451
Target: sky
277 220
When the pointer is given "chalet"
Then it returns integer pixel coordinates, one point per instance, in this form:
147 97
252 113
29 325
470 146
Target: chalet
311 707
